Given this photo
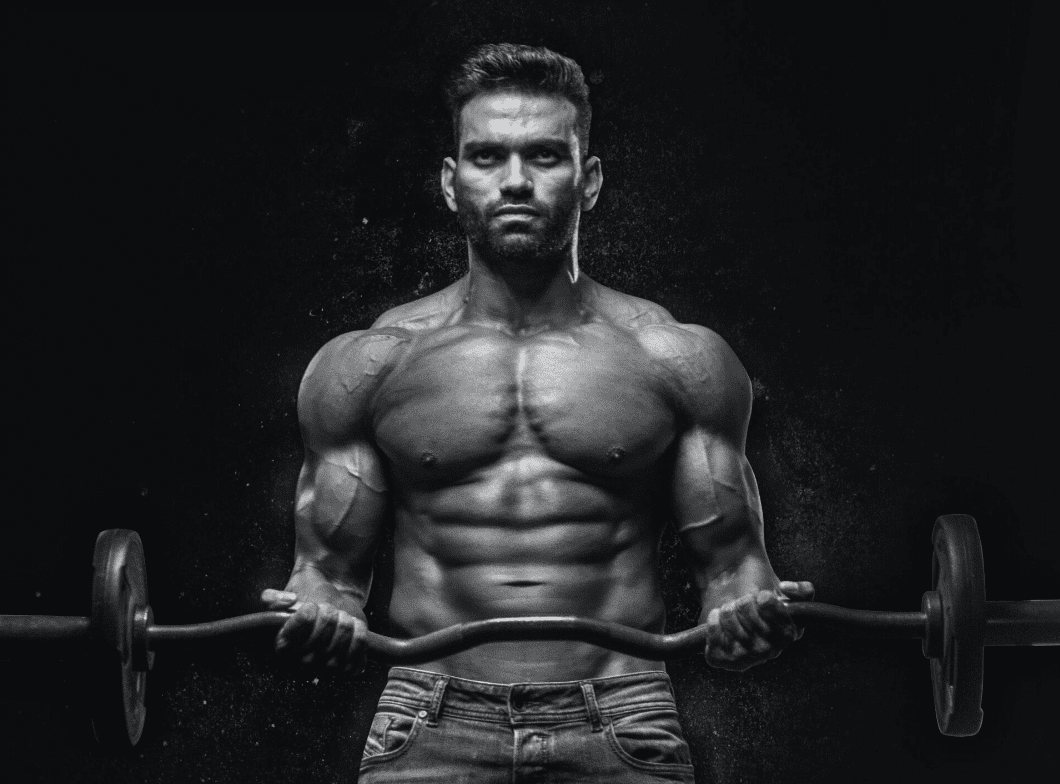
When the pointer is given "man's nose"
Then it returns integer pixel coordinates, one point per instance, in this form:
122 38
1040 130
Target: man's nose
516 178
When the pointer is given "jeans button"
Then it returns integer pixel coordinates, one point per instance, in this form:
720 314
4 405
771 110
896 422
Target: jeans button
518 702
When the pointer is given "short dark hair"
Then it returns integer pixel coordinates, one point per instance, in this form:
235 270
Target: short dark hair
515 66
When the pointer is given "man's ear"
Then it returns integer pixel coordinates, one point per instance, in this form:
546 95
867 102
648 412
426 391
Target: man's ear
448 175
593 180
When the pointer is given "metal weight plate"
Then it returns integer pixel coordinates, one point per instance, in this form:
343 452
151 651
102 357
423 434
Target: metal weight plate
119 592
957 575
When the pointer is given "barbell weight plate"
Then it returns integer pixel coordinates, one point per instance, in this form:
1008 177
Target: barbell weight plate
119 589
958 576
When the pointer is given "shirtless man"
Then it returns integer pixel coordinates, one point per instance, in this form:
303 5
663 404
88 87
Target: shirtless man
532 432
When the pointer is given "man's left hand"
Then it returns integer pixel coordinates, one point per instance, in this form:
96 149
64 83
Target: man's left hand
754 628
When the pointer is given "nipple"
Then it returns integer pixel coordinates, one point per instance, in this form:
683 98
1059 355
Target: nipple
427 459
615 455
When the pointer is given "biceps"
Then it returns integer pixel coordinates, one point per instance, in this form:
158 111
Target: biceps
714 489
340 509
719 517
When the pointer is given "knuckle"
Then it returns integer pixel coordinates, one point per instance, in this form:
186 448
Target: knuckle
328 613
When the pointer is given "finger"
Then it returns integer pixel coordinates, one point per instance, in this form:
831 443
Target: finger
773 611
801 590
734 658
804 591
732 620
722 650
357 655
782 628
716 639
278 600
713 618
750 617
316 644
296 629
335 653
763 636
713 626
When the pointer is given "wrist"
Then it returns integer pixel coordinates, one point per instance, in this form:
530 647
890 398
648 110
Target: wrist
310 585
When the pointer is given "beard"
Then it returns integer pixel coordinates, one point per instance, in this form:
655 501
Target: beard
531 243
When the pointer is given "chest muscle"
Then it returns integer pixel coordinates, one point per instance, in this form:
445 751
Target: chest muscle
461 401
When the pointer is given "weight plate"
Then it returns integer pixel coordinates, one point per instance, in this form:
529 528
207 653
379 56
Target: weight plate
957 575
119 590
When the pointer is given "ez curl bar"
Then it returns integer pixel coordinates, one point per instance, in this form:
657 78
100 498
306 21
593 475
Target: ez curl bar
954 623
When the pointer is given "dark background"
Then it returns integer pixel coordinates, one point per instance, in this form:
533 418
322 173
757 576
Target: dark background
855 199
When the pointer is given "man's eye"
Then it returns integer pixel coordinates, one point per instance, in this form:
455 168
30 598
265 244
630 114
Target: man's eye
484 157
546 156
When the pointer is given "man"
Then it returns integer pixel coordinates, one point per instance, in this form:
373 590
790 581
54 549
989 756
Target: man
532 431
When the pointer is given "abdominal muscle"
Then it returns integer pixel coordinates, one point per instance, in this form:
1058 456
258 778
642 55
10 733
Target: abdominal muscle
454 571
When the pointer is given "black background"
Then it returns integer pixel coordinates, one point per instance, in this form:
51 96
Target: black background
855 199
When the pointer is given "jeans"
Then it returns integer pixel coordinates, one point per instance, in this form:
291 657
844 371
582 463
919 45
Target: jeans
436 728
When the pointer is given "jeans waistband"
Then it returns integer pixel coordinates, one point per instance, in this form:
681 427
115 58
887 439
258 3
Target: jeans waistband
596 700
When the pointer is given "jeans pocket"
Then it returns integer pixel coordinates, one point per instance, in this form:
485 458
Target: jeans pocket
391 734
649 740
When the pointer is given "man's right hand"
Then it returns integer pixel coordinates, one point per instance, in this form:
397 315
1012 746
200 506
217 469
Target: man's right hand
320 635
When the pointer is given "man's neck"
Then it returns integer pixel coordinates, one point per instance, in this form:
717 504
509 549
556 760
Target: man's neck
524 299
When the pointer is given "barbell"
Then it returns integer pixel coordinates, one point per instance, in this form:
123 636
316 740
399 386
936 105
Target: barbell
955 622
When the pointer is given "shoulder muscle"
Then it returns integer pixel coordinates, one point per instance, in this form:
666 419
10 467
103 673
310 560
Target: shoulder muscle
338 386
708 379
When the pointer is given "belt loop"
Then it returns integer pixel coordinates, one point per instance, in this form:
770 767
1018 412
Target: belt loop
436 701
594 709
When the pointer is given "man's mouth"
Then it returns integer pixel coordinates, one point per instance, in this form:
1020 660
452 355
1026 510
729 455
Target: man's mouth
516 209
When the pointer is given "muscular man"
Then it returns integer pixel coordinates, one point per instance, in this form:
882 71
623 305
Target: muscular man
532 432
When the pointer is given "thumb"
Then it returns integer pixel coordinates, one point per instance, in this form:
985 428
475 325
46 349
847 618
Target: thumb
278 600
801 590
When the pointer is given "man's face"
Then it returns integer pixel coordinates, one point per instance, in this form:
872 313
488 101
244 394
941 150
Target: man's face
518 184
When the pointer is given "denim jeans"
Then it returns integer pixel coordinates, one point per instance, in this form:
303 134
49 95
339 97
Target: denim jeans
436 728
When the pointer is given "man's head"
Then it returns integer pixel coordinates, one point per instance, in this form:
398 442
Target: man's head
521 178
527 69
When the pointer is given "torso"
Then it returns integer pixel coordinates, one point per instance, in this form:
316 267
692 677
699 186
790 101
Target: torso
528 476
